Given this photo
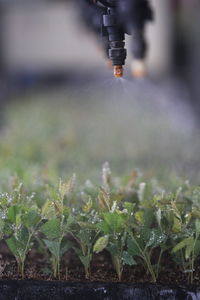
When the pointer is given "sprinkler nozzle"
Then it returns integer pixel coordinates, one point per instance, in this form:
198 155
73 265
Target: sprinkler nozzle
118 71
138 68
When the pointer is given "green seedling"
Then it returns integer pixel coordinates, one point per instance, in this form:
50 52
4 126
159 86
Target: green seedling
143 240
21 225
188 249
85 234
142 246
85 239
55 241
136 222
114 240
57 226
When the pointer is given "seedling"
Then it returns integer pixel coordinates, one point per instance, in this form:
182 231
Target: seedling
58 225
21 225
136 222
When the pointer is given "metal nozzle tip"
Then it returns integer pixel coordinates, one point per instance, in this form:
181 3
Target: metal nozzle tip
118 71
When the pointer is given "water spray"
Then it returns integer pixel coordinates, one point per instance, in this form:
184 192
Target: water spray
122 17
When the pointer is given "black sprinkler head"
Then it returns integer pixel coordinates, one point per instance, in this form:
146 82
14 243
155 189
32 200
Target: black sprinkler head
107 3
120 17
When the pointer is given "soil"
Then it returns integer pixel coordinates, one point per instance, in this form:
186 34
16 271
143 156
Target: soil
38 268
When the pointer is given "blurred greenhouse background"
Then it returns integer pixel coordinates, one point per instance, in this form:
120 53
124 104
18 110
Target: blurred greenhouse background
62 112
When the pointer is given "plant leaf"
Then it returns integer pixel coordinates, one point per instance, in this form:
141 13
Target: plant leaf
189 248
184 243
65 246
133 248
13 245
13 211
177 225
31 218
101 244
85 260
156 238
51 229
114 221
128 259
53 247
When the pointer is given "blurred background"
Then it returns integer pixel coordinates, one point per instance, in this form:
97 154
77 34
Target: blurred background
63 112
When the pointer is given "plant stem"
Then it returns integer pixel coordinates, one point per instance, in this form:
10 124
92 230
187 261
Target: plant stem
145 257
158 264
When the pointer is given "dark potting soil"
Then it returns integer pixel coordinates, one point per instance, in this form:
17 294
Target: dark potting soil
38 267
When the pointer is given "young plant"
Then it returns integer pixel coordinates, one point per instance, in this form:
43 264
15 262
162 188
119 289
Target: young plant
143 239
85 233
21 225
85 238
188 249
57 226
114 239
54 231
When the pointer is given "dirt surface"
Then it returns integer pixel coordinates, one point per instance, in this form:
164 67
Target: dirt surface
38 267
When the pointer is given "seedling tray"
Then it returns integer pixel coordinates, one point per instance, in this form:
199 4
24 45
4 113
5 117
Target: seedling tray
55 290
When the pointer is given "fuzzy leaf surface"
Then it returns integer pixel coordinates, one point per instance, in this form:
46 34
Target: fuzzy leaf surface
51 229
101 244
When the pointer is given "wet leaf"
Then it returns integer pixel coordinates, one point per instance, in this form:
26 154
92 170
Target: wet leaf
177 225
101 244
184 243
128 259
51 228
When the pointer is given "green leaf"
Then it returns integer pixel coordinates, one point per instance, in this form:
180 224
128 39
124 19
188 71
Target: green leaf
85 260
18 220
177 225
65 246
31 218
104 227
197 226
22 236
128 259
113 222
189 248
51 229
53 247
69 221
184 243
113 249
129 206
19 243
13 211
13 245
85 236
156 238
148 217
139 216
88 206
101 244
133 248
